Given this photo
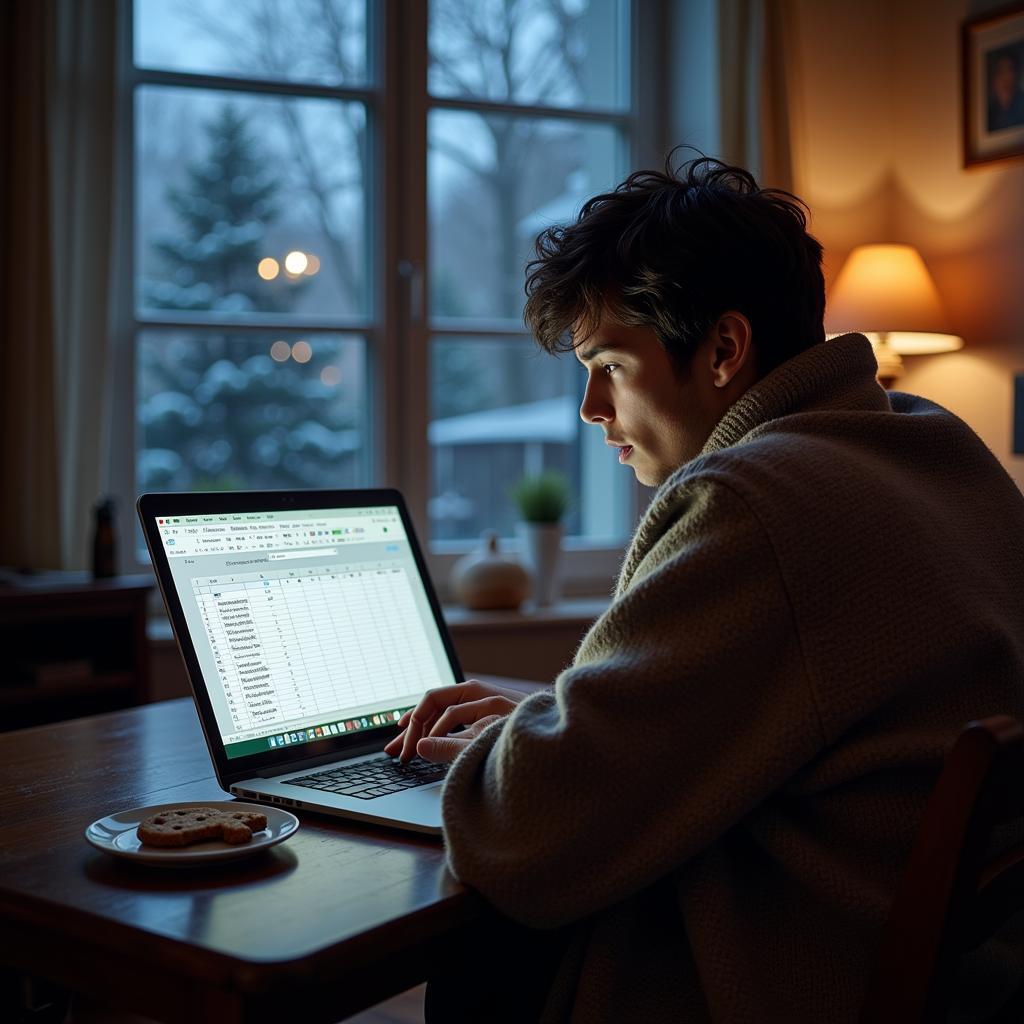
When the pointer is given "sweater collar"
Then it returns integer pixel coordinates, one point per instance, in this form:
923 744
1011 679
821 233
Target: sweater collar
837 374
840 372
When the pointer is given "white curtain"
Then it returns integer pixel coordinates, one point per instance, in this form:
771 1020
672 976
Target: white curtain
82 136
758 86
780 94
57 201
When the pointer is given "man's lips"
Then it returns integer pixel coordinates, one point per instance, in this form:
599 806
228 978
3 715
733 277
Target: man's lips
625 450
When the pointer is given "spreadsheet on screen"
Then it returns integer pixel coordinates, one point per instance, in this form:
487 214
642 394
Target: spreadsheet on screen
301 616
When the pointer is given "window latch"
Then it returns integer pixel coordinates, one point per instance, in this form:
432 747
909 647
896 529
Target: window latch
412 274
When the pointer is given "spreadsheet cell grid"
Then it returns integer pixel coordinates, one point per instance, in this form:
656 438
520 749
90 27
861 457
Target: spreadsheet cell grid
289 644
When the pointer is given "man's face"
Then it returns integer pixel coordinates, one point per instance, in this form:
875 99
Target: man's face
1004 81
656 416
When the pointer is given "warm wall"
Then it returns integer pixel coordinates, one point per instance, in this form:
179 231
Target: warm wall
969 224
877 151
839 111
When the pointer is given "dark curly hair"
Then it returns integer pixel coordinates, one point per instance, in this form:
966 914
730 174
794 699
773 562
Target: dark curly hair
674 250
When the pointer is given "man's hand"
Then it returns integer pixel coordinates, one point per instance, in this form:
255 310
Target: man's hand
426 726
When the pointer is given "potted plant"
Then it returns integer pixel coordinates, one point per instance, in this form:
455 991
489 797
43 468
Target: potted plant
542 501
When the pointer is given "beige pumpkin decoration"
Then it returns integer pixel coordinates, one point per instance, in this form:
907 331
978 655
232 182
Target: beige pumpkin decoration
488 580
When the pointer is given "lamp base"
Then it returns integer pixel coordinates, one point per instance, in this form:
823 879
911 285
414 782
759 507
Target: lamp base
890 365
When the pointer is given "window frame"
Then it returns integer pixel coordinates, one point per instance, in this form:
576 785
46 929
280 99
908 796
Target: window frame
397 327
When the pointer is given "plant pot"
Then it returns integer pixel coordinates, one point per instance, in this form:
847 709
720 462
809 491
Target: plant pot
542 553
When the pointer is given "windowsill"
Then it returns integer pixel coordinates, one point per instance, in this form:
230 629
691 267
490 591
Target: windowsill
570 612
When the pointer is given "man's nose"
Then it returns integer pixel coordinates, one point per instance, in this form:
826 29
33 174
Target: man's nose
594 408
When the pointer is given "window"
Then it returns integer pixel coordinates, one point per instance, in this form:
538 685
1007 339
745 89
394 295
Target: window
330 205
251 307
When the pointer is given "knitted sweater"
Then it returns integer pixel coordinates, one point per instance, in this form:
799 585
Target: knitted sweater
722 788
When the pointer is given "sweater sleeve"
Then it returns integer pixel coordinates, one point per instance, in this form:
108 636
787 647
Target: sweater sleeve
687 706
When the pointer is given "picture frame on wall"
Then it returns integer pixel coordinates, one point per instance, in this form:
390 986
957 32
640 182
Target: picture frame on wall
993 85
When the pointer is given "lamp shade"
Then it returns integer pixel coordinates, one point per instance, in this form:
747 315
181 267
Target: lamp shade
887 290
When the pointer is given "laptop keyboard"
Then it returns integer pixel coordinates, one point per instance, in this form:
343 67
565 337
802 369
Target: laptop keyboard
368 779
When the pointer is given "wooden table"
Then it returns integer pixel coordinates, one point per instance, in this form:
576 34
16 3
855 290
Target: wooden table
337 918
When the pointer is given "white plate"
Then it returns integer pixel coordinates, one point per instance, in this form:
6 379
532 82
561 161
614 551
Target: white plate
116 834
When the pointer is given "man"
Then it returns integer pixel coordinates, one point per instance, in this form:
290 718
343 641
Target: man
705 819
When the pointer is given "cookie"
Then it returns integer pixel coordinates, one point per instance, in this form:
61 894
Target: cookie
184 826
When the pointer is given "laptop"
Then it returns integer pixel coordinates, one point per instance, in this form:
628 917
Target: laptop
308 624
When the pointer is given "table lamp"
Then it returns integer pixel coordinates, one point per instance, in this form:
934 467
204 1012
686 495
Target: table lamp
886 293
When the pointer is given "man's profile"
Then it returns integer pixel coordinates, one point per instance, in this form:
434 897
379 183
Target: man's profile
706 816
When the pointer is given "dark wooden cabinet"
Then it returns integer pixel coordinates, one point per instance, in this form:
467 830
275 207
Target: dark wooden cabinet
72 646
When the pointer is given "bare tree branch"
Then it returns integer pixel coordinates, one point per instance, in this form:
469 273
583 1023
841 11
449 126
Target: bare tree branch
497 49
321 193
461 157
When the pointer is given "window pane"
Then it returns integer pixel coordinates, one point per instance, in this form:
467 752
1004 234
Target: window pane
320 41
502 409
228 184
494 183
560 53
226 411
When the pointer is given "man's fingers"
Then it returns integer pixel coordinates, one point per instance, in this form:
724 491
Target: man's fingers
447 748
395 743
478 727
411 737
441 748
466 714
474 715
434 702
421 719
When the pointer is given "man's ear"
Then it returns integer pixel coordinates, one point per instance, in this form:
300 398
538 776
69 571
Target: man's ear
732 349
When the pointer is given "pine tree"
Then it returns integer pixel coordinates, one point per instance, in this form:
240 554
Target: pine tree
224 208
221 413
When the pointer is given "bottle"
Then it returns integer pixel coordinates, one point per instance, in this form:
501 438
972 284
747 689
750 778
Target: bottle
104 545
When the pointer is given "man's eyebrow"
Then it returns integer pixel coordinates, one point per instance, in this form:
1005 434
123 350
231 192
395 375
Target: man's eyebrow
597 350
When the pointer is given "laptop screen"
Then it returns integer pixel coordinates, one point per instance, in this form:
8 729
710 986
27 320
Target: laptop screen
306 624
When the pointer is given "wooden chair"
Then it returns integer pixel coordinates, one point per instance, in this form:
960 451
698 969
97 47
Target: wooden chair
950 899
